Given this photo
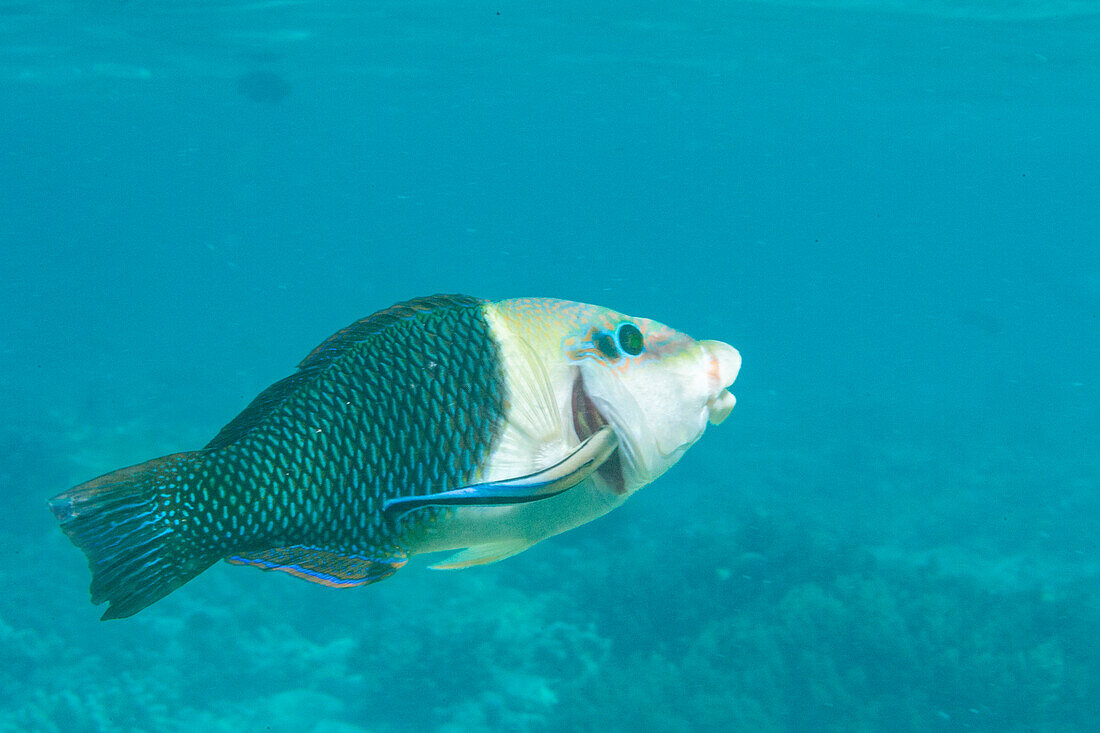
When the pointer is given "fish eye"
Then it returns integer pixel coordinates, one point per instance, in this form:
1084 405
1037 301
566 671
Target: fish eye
630 339
606 346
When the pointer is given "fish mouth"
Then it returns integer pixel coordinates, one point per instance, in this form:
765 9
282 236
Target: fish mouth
723 363
586 421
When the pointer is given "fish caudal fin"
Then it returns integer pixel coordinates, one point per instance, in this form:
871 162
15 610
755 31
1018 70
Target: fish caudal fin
127 525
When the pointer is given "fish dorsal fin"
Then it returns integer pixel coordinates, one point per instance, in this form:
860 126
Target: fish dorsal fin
326 567
326 353
339 342
258 409
581 463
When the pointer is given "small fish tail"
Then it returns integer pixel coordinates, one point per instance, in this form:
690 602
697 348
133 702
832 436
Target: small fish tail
125 522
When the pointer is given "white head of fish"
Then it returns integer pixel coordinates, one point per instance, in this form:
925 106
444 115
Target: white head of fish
656 387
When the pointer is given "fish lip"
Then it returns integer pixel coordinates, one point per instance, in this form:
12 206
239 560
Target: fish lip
587 419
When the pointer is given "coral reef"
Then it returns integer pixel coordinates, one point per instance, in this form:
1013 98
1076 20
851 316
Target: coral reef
769 615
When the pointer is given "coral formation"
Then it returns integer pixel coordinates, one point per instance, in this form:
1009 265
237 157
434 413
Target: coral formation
768 615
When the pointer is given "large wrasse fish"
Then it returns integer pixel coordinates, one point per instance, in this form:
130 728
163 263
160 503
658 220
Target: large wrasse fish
442 423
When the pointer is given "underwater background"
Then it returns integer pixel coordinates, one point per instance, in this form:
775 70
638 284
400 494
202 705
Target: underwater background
890 207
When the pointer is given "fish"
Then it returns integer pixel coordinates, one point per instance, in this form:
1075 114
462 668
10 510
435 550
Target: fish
443 423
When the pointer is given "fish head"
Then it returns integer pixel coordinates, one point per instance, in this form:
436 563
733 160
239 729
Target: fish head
656 387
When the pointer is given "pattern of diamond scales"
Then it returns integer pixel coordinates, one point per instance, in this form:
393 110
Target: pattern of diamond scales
405 402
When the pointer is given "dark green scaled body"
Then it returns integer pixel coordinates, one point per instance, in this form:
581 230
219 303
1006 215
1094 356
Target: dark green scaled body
405 402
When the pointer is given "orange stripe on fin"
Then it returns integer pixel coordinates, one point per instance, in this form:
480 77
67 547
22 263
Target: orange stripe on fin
325 567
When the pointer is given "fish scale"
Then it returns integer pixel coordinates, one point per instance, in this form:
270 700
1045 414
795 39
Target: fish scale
298 480
373 397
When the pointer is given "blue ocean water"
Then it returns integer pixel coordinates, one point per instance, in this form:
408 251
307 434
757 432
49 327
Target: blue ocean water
890 208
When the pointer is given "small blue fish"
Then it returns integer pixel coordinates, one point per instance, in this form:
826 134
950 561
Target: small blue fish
442 423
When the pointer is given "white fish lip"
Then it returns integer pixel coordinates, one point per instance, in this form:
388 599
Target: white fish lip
720 407
724 362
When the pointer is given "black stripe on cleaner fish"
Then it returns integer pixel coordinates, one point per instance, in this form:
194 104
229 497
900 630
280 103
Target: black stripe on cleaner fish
442 423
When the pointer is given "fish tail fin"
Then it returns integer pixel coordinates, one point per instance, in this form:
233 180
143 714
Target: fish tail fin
127 524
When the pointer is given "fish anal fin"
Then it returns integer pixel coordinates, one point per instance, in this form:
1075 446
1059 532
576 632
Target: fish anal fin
482 554
325 567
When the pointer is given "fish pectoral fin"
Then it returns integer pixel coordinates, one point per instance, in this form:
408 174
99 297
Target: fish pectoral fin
534 412
482 554
326 567
562 476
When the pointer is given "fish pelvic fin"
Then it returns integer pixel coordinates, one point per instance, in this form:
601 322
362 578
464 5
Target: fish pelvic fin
482 554
126 523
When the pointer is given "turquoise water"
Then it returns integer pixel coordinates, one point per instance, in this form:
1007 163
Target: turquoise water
889 207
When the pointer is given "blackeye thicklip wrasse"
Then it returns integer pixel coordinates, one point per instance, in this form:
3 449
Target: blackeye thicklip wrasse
441 423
